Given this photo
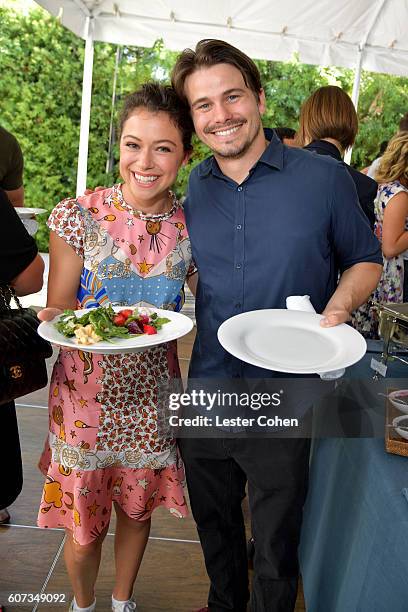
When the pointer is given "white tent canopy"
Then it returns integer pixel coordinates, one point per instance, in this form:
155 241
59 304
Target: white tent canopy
361 34
323 32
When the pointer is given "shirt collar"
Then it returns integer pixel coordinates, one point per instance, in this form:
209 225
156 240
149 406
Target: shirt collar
327 147
272 156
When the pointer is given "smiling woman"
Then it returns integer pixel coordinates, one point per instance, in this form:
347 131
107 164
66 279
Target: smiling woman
126 245
152 151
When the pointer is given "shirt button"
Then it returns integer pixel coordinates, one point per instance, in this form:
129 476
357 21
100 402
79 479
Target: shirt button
239 227
238 266
239 188
238 305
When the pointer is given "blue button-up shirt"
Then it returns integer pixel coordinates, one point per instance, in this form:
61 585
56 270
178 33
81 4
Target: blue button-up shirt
288 229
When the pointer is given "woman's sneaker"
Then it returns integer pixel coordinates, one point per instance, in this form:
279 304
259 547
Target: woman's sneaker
75 608
123 606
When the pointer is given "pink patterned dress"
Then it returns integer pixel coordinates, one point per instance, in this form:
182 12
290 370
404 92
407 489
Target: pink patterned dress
103 443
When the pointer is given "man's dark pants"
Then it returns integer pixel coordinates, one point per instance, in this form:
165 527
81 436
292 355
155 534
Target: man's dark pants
277 473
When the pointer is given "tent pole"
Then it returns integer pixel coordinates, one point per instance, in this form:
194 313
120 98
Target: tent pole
85 109
109 160
376 12
355 93
357 77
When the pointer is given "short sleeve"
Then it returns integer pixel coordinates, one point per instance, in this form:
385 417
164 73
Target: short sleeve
67 221
353 239
13 164
17 248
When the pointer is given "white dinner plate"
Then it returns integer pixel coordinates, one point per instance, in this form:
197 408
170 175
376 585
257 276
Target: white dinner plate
179 326
291 341
24 212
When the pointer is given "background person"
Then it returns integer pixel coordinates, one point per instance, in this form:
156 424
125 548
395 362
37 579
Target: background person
126 245
403 124
391 228
372 169
286 135
11 168
328 125
22 268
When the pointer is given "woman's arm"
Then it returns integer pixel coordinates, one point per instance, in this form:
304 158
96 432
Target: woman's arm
394 235
63 280
30 280
16 196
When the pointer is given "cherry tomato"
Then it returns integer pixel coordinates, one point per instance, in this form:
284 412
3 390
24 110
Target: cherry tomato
119 320
149 329
126 313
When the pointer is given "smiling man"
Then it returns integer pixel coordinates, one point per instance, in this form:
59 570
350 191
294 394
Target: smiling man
265 221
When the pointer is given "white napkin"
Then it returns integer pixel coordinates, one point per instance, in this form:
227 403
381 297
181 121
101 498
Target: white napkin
303 303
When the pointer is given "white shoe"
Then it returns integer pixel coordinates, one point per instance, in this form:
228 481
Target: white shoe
75 608
123 606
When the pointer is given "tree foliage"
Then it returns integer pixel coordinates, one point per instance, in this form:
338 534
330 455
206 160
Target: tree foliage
40 91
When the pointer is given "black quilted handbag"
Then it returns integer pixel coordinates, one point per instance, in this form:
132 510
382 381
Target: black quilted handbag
22 350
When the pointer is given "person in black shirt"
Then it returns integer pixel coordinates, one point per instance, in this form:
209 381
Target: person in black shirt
11 168
22 268
328 125
286 135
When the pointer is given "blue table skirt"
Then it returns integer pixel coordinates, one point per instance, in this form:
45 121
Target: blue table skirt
354 544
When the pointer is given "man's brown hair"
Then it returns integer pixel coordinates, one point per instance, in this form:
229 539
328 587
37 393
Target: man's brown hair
210 52
328 113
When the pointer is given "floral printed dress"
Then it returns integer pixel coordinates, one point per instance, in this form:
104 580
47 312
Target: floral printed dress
103 442
391 285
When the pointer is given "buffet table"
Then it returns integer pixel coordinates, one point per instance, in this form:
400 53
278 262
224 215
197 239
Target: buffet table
354 545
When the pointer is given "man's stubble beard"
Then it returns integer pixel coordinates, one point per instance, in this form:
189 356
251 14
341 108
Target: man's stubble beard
240 151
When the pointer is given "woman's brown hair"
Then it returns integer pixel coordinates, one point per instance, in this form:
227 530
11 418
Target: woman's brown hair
328 113
210 52
156 97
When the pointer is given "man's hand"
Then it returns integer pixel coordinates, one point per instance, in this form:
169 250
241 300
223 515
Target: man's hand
47 314
334 317
354 288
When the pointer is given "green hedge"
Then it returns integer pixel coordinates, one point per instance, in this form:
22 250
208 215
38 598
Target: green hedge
40 91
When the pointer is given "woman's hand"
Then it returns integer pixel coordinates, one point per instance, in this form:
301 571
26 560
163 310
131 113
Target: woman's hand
47 314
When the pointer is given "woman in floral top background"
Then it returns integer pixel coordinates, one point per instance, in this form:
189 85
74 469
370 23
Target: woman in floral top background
391 228
125 245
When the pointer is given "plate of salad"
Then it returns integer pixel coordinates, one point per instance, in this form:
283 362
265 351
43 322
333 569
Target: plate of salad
114 329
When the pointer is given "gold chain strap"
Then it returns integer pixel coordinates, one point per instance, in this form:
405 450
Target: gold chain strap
7 293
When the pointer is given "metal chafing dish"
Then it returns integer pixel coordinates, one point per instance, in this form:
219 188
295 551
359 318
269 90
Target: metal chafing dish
393 329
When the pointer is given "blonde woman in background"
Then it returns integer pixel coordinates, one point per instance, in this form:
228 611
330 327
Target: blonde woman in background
391 228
